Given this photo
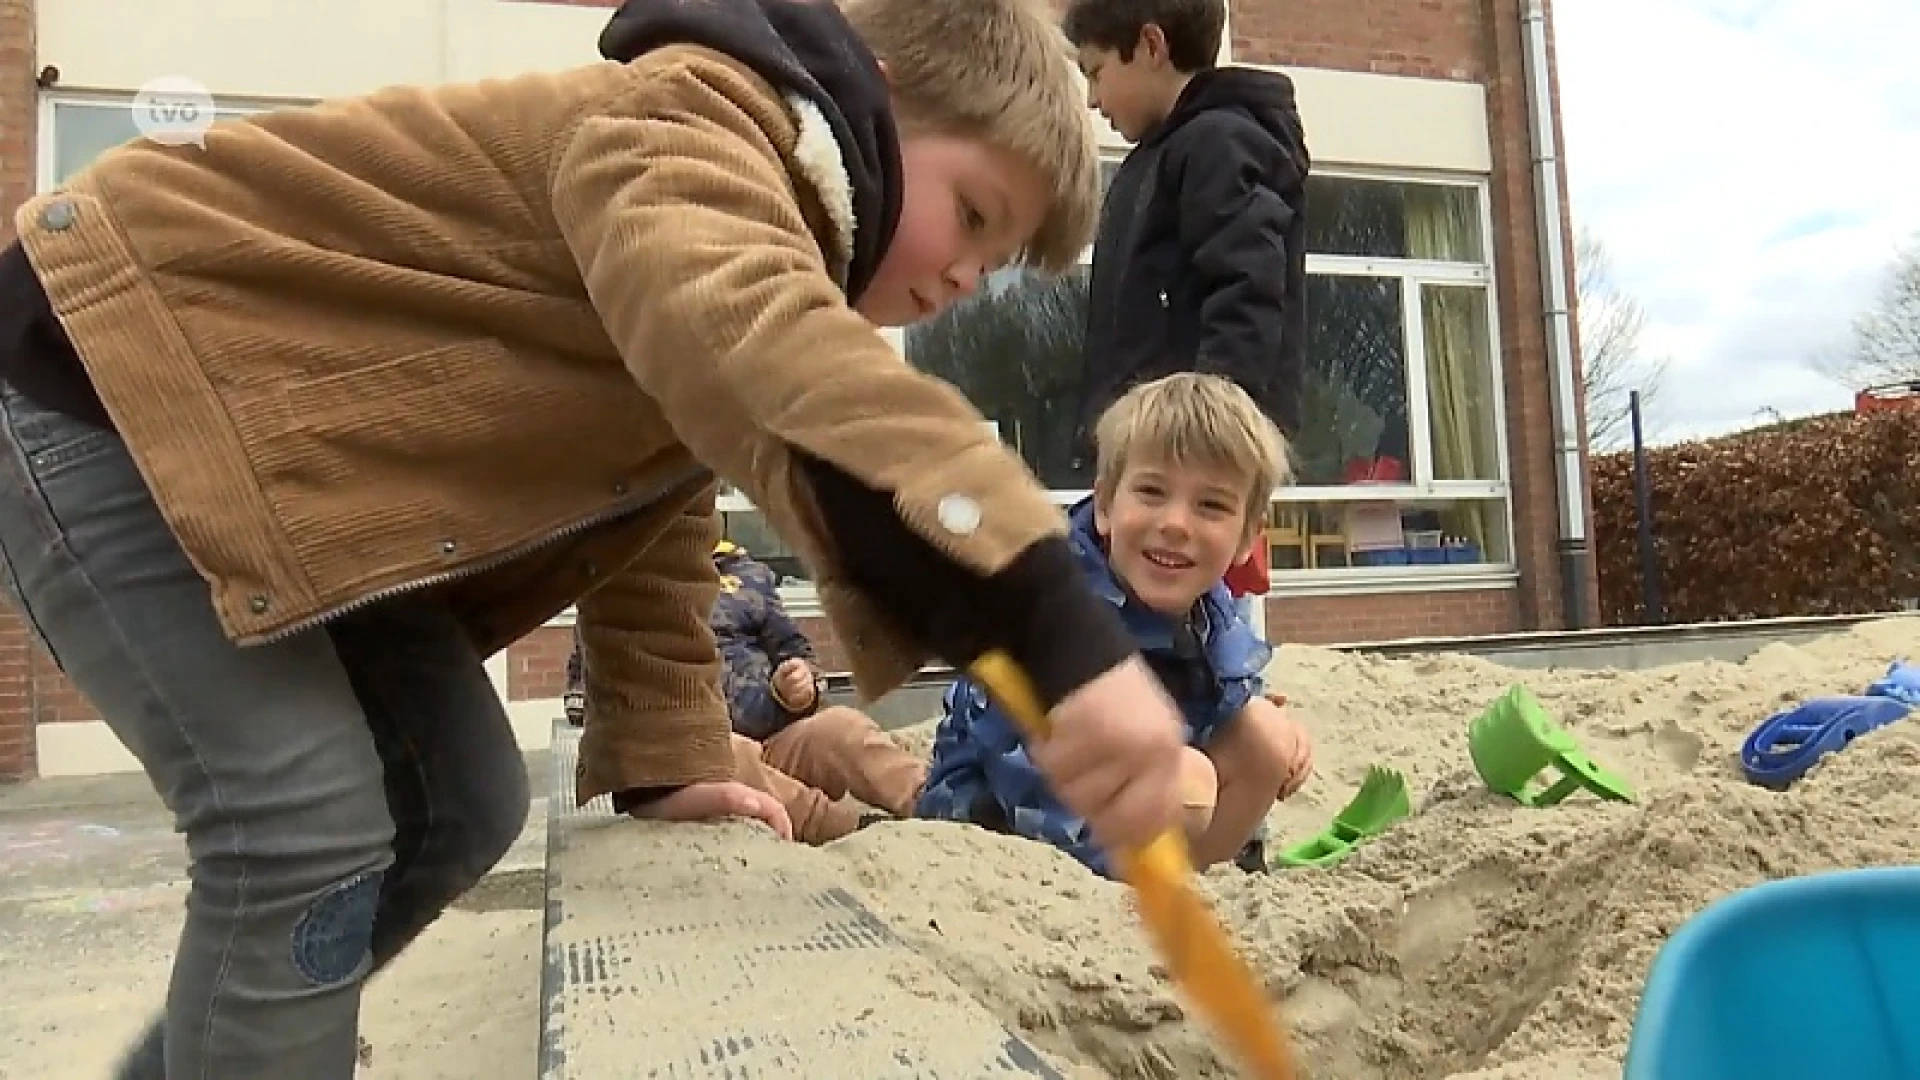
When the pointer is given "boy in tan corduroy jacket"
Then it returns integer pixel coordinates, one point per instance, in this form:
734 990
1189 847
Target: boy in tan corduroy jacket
298 427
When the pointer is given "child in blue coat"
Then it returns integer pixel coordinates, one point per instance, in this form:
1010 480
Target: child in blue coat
1185 468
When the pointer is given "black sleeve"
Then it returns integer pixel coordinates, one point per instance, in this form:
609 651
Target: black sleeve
1233 225
1039 609
576 665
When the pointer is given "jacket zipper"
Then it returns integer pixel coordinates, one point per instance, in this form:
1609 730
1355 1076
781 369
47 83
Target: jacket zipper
618 510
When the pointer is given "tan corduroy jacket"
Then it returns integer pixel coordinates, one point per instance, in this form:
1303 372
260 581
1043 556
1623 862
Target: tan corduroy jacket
486 339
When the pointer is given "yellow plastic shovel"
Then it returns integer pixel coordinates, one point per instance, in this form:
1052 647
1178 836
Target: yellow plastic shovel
1191 940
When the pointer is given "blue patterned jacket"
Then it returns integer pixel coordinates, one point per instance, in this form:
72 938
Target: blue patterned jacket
755 635
980 771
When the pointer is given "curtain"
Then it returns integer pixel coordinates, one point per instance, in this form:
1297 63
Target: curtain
1440 226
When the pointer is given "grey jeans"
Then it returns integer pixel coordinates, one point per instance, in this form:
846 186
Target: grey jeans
337 789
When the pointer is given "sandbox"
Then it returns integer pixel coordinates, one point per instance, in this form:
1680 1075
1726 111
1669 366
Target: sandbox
1477 939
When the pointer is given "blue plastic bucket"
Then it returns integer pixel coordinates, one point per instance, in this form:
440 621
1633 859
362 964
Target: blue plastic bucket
1798 979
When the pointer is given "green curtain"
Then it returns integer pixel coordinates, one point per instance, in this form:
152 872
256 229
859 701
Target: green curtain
1440 226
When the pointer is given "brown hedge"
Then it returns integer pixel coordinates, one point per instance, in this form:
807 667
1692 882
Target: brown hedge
1815 517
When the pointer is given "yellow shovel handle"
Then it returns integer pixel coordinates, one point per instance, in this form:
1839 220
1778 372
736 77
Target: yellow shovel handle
1198 952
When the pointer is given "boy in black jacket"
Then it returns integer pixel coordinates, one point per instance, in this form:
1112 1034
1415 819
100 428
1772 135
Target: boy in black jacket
1200 261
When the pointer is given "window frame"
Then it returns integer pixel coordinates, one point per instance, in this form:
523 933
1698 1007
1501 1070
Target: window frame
1413 275
47 135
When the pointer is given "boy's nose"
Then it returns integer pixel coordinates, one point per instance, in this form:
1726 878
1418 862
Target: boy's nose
1173 522
963 279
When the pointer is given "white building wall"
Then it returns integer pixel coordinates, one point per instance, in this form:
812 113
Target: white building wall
299 50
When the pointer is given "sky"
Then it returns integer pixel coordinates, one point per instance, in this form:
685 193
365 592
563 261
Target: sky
1751 167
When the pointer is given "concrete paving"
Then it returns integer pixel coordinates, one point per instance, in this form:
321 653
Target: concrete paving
737 954
92 881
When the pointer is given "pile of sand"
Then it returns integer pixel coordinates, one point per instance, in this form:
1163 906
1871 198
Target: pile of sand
1477 939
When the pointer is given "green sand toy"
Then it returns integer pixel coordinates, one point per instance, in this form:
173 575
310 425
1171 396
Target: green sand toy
1380 802
1515 739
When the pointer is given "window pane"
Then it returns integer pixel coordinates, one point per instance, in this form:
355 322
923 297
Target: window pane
1014 350
1391 532
750 530
1381 219
1460 390
83 131
1354 398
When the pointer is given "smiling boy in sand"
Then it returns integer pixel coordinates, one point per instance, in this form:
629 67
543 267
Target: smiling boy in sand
1186 465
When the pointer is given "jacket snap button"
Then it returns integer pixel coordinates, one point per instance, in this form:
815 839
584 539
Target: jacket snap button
58 217
619 489
257 605
959 515
589 569
448 547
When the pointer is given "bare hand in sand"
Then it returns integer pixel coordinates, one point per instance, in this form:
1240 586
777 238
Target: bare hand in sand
713 801
793 684
1114 756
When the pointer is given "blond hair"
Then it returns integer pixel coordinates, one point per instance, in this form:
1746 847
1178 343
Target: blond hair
1191 419
1001 72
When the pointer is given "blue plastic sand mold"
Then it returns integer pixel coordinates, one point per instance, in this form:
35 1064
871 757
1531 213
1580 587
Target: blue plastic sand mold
1790 980
1901 683
1786 745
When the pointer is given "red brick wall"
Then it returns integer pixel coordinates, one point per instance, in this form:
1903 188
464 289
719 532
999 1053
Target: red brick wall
1338 620
32 690
17 114
1477 41
1328 620
1432 39
18 98
537 664
1592 585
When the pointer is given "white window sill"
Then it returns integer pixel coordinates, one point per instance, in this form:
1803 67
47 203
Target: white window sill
802 603
1376 580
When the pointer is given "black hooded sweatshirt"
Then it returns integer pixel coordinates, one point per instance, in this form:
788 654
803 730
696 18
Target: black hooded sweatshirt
804 47
1200 263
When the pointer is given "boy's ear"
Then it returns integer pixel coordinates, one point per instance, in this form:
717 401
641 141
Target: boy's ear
1153 43
1256 535
1102 524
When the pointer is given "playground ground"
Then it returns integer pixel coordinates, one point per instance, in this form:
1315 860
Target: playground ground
1475 939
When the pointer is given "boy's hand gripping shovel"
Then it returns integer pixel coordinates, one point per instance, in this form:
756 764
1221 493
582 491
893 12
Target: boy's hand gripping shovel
1193 943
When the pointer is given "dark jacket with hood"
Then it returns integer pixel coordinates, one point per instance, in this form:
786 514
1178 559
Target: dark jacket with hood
808 49
1200 264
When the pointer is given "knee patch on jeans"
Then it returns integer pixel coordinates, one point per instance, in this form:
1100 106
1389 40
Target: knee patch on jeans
334 936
